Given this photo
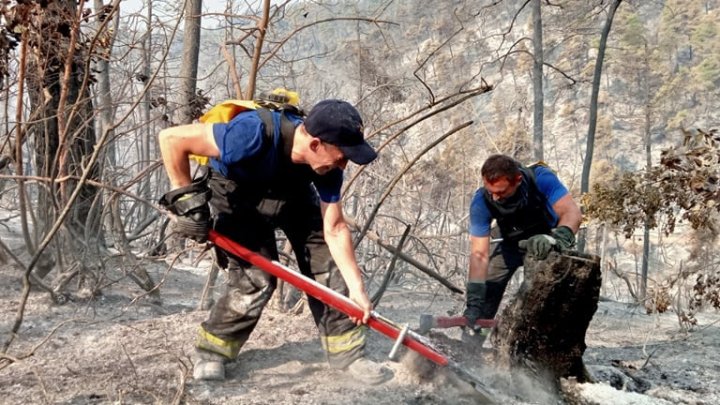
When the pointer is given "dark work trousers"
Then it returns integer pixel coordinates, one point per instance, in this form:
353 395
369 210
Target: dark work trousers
251 221
503 262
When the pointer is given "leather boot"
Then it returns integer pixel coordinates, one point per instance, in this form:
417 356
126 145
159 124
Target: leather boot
368 372
208 365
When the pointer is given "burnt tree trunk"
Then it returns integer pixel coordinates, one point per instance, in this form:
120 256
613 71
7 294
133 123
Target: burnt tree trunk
543 329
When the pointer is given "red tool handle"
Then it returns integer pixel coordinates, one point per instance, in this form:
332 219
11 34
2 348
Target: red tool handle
324 294
453 321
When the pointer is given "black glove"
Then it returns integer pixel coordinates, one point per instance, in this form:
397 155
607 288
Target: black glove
539 246
476 292
190 204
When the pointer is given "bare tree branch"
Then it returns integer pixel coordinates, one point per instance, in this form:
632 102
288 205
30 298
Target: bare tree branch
396 179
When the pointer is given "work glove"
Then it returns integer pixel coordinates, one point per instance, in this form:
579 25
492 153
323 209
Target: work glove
190 205
476 292
539 246
564 237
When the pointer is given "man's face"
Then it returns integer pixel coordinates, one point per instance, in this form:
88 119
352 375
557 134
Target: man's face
502 188
327 157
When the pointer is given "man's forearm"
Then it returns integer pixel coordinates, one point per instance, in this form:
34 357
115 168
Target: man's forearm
175 161
571 221
341 248
568 213
479 258
478 269
177 143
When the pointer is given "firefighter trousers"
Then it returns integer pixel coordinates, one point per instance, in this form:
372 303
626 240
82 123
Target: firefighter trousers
252 223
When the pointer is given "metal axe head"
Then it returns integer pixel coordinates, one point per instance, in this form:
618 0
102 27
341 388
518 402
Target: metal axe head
426 323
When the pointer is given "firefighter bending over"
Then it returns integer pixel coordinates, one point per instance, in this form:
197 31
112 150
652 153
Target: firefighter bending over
534 212
263 166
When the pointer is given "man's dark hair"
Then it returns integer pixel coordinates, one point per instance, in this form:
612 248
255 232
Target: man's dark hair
497 166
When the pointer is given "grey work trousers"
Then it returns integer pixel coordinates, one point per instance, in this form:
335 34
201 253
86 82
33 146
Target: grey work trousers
504 260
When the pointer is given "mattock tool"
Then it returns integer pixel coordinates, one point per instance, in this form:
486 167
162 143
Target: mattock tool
400 334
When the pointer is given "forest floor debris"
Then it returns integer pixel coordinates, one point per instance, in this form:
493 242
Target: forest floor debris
118 348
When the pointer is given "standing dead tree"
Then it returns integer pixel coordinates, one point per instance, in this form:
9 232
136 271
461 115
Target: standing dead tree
592 117
60 130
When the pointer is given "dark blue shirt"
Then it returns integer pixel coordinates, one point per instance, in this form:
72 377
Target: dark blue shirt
245 160
548 184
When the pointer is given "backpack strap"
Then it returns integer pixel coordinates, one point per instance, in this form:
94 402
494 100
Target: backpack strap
532 180
530 171
267 119
287 130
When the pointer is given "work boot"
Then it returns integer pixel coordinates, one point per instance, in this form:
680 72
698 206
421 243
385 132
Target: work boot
208 365
368 372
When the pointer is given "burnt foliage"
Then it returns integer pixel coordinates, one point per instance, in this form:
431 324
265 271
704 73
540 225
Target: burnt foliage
48 32
682 187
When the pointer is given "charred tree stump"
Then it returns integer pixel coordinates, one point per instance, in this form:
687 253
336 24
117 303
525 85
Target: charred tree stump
543 329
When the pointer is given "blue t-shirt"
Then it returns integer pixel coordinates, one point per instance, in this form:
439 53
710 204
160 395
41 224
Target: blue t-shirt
548 184
244 160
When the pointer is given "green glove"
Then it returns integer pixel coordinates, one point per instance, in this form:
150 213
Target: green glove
476 292
564 237
539 246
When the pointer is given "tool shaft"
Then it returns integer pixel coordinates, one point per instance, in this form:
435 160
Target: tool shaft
453 321
326 295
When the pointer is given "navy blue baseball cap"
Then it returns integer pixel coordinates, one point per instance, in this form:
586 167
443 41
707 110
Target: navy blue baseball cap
338 123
